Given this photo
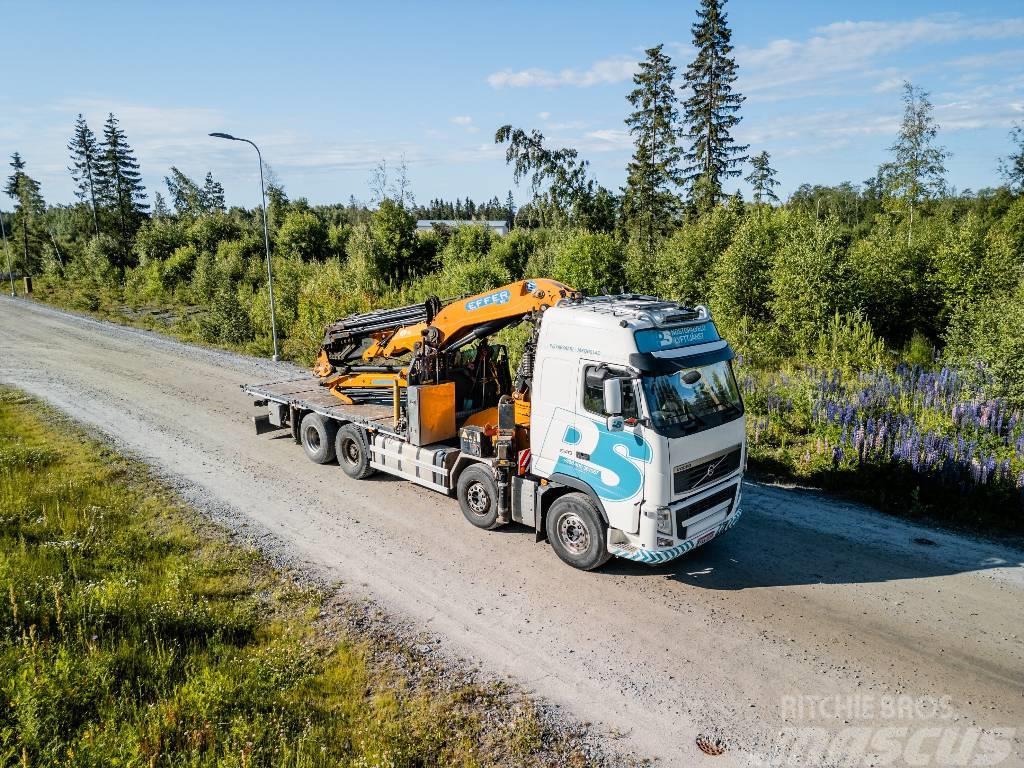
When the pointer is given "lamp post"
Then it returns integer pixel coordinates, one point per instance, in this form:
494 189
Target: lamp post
266 235
10 272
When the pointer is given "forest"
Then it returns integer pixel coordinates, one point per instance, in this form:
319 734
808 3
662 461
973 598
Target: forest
879 325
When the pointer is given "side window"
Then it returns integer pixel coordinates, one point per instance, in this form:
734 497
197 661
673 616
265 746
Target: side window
593 394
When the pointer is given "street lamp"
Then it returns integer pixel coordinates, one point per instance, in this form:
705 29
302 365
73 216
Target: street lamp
10 272
266 235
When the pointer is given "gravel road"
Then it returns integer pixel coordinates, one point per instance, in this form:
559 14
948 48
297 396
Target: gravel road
811 618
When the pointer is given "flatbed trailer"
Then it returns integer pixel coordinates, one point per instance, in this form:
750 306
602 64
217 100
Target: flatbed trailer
289 401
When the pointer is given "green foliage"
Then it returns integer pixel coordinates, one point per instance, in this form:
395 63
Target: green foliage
158 238
684 267
741 277
587 261
890 281
303 235
514 250
808 283
177 270
392 236
228 321
990 333
847 343
467 243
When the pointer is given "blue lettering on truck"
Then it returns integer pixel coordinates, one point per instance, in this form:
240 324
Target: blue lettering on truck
614 469
657 339
498 297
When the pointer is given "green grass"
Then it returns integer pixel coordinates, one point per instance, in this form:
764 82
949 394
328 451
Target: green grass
132 633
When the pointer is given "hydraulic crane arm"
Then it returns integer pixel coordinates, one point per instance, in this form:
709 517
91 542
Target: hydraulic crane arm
379 342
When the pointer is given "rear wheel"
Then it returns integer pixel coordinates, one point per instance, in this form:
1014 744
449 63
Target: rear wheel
353 448
577 533
317 435
478 496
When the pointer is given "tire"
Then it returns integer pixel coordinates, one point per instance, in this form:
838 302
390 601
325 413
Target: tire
317 434
478 496
352 447
577 533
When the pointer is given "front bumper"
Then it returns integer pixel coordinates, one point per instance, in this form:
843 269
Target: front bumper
639 554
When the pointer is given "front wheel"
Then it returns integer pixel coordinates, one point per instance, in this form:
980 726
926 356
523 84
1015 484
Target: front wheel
577 533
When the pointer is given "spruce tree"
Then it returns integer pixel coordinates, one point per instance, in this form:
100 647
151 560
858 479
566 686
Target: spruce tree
85 156
762 179
510 210
711 111
649 201
28 206
213 195
121 184
1011 167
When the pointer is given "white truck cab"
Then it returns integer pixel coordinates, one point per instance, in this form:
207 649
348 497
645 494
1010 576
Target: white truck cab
635 404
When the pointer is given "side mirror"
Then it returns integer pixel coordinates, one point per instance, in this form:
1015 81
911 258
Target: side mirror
613 397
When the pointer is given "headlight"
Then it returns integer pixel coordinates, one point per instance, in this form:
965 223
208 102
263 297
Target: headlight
664 520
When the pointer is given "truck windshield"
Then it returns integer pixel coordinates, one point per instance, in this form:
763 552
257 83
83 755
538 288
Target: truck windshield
692 399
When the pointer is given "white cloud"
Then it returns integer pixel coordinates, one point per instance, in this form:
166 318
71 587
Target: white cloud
462 120
856 47
615 69
544 115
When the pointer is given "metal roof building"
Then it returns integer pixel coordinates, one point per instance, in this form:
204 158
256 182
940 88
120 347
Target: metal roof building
499 227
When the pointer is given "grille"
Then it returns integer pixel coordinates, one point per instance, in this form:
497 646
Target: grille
703 505
691 476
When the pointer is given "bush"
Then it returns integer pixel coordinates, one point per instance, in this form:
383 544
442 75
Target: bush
847 343
684 265
158 238
589 262
303 235
227 322
514 250
809 281
177 270
741 278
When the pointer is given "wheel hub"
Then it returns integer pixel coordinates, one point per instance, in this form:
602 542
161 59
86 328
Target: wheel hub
477 499
312 438
573 533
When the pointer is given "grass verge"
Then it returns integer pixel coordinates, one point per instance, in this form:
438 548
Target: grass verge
132 632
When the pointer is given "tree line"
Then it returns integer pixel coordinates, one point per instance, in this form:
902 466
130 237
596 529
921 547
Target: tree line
917 265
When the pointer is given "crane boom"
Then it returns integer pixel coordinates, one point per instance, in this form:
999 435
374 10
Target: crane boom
365 356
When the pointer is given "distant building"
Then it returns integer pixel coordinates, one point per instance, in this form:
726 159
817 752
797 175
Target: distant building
497 227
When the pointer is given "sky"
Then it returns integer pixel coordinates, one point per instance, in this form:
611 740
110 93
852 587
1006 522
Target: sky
330 89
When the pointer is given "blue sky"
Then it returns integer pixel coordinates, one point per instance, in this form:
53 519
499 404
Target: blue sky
329 89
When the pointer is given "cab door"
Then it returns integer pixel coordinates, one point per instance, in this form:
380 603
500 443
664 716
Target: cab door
611 462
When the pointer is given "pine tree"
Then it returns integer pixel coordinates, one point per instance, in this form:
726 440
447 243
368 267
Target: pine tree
121 183
186 195
711 111
649 201
762 179
510 211
28 205
213 195
85 156
918 170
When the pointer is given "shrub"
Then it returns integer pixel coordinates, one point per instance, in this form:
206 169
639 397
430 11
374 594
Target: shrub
177 270
587 261
809 281
741 278
683 266
847 343
158 238
303 235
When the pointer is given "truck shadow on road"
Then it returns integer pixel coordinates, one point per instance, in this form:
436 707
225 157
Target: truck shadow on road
792 537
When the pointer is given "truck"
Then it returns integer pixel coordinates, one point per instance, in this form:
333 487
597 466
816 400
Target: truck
621 433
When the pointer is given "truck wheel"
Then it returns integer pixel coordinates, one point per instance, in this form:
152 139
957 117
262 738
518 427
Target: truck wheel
317 435
478 496
577 533
353 449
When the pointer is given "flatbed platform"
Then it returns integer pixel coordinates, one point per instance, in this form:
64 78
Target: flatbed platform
307 394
